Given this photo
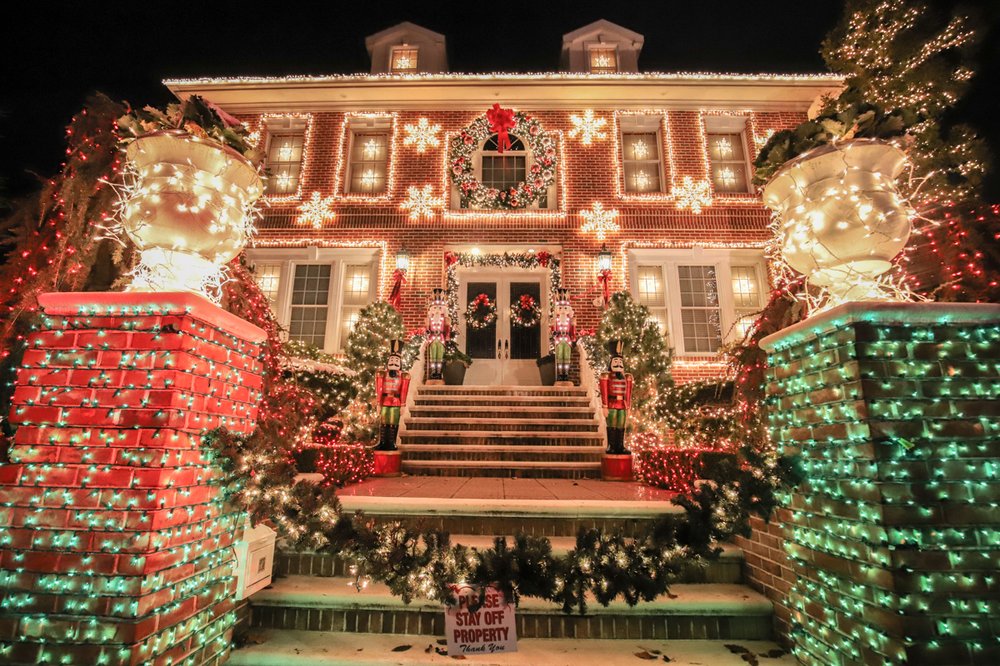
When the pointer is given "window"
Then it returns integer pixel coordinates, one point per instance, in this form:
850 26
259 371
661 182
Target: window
285 148
369 162
727 156
316 294
700 299
505 170
403 59
603 59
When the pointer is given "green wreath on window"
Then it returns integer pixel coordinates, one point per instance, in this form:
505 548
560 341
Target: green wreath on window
540 176
481 313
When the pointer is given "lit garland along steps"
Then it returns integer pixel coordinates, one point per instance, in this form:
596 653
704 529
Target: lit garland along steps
525 431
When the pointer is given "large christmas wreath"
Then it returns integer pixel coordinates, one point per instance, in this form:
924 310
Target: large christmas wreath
526 312
540 176
481 313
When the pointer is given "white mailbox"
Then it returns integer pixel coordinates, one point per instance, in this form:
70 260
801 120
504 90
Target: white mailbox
254 560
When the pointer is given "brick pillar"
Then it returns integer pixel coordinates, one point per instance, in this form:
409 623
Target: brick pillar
893 537
116 542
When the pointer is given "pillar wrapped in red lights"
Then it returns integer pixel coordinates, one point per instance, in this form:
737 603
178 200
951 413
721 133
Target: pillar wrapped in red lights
116 531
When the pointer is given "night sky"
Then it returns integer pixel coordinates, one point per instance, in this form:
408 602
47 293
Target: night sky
59 53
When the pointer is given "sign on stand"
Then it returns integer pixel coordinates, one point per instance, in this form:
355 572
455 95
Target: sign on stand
486 630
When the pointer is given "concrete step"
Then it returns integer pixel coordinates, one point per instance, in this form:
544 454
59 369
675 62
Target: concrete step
499 401
700 611
531 391
272 647
499 423
726 569
452 411
498 454
499 438
512 469
540 517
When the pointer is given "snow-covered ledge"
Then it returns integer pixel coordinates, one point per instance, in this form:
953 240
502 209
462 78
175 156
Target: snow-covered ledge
589 381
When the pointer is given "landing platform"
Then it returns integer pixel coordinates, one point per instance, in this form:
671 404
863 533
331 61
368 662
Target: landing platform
479 488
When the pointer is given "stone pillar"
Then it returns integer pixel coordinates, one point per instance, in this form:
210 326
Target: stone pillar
116 544
894 541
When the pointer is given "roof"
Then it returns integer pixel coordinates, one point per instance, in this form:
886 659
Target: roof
603 25
401 28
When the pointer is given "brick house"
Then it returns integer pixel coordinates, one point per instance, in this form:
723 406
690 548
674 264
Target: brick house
669 153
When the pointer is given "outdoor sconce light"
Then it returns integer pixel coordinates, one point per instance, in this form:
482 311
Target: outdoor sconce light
604 272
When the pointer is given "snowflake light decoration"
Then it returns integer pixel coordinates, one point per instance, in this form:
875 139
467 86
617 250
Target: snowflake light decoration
694 195
316 211
421 202
588 127
599 221
423 135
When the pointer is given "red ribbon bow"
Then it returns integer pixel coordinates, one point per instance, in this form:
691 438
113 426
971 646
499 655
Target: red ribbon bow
501 120
396 295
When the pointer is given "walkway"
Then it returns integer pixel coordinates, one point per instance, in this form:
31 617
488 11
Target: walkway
445 487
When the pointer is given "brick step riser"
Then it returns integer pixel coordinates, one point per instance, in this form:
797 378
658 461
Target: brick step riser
416 438
425 622
325 565
501 472
459 413
499 426
459 402
500 457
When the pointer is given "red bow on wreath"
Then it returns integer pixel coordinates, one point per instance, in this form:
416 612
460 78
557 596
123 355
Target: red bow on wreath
543 258
450 258
501 120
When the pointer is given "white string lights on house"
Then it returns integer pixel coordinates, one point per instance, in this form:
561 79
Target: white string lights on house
587 127
421 202
637 189
316 211
286 153
422 136
726 150
369 178
600 221
693 195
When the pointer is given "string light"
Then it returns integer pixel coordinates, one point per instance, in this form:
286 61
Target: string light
588 127
316 211
421 202
693 195
369 177
599 221
285 179
423 135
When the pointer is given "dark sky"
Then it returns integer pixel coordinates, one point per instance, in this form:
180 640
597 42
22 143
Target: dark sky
62 51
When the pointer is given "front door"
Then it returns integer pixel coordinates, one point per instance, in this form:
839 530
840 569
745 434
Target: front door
504 352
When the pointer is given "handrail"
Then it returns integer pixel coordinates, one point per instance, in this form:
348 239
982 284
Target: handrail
589 381
416 381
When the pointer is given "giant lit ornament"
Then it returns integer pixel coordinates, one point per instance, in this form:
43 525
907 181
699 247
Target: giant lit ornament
841 219
189 210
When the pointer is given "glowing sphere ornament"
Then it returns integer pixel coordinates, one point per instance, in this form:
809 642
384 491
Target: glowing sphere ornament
841 221
189 209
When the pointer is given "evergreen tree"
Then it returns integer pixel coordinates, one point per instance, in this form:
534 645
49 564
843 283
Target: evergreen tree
901 54
368 344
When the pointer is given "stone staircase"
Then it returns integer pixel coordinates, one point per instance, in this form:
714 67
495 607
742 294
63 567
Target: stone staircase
502 431
315 593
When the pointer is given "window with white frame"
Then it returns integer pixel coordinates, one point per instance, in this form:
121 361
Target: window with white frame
700 299
642 164
286 138
727 154
602 58
403 59
504 170
368 157
316 294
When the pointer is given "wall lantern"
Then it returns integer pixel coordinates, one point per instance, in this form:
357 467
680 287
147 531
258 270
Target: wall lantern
604 272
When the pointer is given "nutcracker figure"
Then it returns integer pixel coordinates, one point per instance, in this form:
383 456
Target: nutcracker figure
391 386
563 335
616 398
438 334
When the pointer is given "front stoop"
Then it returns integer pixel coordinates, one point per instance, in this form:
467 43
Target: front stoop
315 648
502 431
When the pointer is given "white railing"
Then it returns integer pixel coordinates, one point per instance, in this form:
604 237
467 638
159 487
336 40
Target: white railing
417 372
590 381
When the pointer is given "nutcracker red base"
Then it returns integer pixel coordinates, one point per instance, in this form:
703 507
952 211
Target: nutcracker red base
616 467
113 519
387 463
564 384
434 382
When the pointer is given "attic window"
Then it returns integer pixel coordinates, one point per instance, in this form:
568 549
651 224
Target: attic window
403 59
603 59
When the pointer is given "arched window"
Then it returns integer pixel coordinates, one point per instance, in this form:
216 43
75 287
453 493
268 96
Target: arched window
504 170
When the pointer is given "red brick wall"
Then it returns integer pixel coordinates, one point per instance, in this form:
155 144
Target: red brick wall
766 567
587 174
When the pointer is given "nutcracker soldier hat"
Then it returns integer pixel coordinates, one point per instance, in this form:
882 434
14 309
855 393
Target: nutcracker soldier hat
438 294
562 294
616 348
395 347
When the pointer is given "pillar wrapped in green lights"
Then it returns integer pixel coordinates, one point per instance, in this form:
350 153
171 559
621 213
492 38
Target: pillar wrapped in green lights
895 533
115 533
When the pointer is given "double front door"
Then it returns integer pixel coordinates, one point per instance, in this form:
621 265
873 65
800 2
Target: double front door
504 352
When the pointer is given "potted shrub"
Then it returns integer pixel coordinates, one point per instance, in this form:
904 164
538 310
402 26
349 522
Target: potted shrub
547 369
456 362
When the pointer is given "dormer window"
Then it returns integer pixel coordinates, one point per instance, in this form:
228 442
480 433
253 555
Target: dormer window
603 59
403 59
